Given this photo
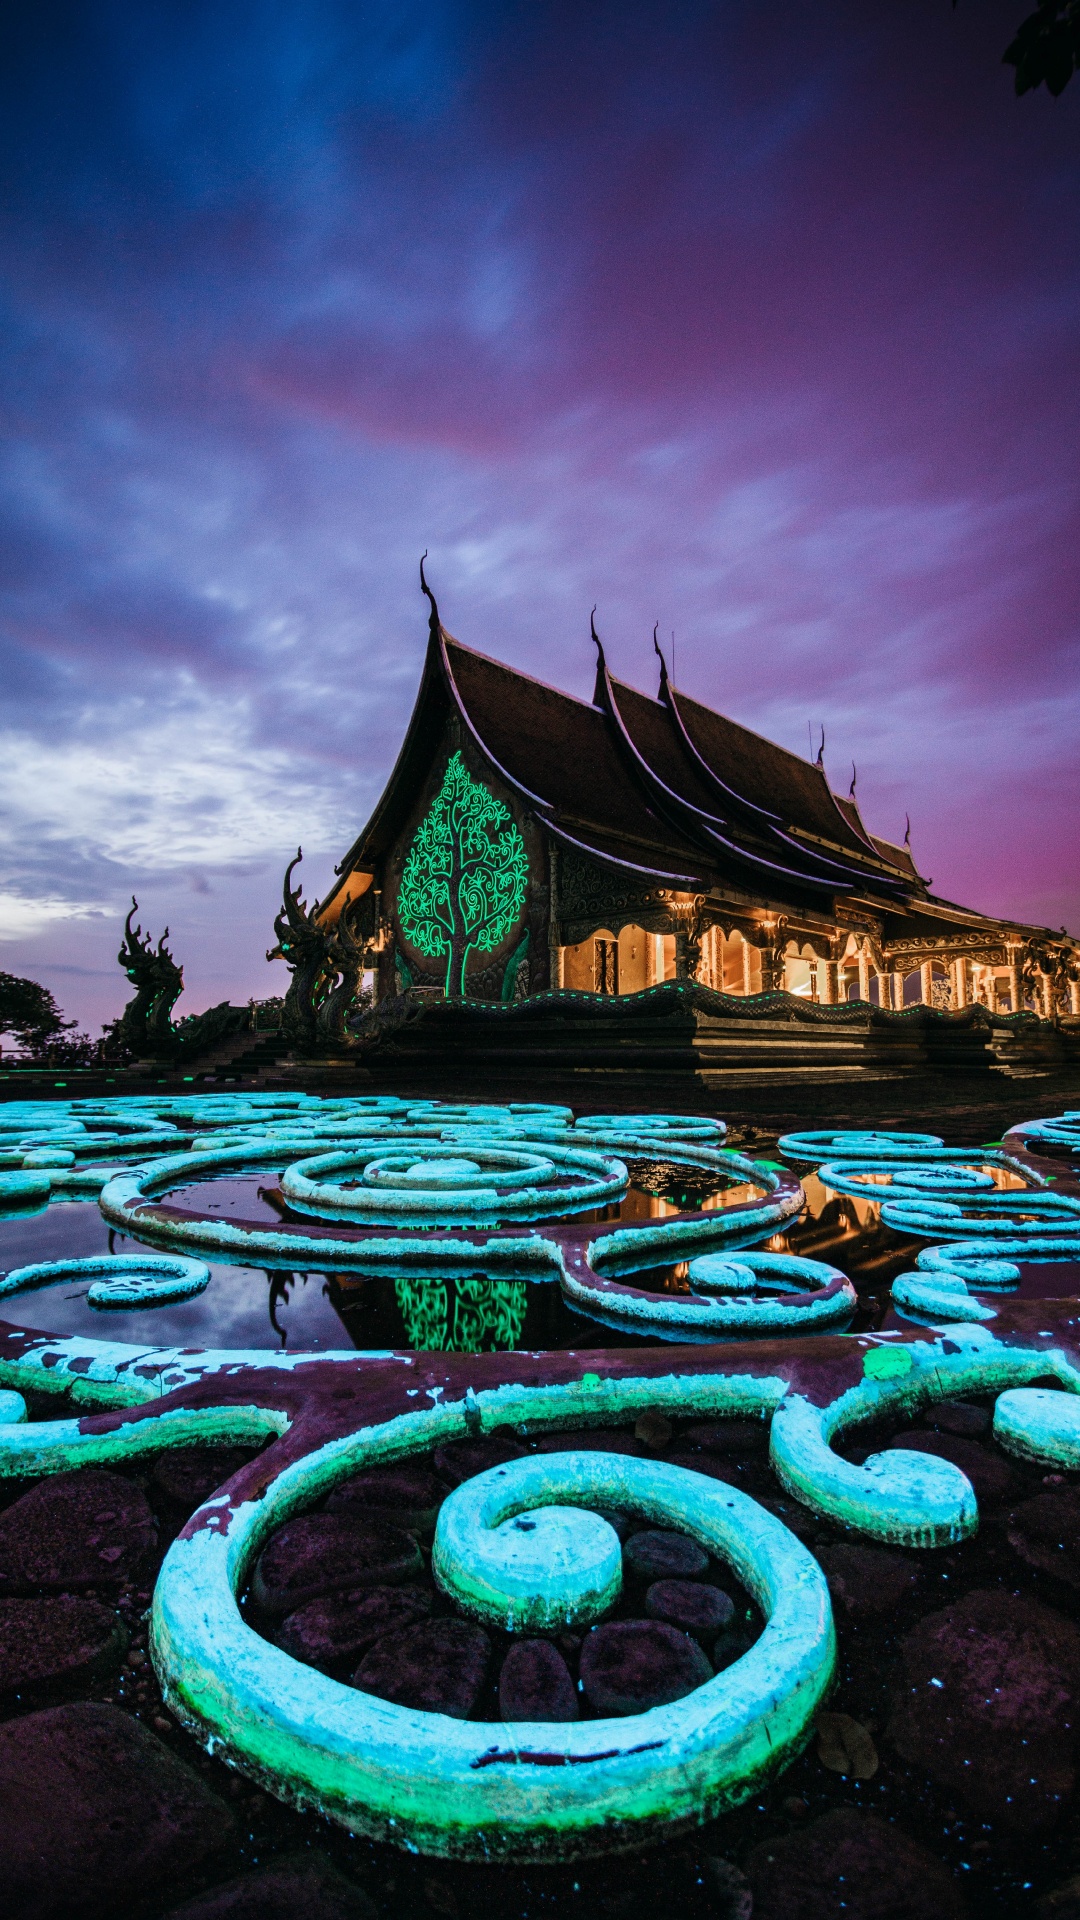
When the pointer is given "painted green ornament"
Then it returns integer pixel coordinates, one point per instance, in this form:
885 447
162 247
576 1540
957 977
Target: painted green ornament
463 884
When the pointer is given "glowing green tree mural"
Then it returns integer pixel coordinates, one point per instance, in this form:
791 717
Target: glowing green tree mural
463 883
487 1315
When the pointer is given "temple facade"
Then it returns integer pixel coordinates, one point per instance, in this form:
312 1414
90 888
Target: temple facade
528 842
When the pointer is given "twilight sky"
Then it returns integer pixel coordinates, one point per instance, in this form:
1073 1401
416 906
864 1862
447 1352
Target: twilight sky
759 321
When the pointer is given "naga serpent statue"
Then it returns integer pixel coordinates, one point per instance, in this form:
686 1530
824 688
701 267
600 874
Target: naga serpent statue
147 1028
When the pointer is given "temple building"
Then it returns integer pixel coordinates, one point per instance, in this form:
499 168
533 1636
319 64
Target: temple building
529 841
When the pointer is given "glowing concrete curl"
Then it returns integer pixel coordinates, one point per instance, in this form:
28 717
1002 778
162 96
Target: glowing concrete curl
127 1279
512 1791
910 1499
754 1294
992 1214
496 1183
931 1298
996 1269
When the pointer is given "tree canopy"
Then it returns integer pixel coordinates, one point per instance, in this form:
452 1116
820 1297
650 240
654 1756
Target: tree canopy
1045 50
29 1011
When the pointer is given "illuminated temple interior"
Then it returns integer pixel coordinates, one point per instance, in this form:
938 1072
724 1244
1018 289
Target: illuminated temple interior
631 840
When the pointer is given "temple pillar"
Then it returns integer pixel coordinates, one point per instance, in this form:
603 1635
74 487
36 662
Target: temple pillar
864 974
960 981
1013 957
827 984
897 991
1074 996
747 971
926 972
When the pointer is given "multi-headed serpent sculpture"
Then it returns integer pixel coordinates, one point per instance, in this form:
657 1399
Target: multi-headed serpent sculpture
526 1545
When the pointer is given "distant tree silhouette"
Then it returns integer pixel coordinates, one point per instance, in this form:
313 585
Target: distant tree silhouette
1045 50
29 1011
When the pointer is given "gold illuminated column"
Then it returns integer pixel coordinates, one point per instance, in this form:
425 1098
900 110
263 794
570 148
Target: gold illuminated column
864 973
927 973
1074 996
747 972
826 973
897 991
1013 957
960 981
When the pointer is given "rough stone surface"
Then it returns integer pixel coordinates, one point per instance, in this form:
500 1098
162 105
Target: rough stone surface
409 1496
990 1706
730 1645
334 1631
57 1642
82 1529
326 1553
1045 1532
183 1479
439 1667
958 1416
628 1666
301 1886
94 1803
459 1460
992 1477
714 1465
850 1866
727 1436
590 1440
1061 1903
535 1684
868 1581
656 1554
689 1604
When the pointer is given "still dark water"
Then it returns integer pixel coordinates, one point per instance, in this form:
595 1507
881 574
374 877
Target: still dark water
313 1310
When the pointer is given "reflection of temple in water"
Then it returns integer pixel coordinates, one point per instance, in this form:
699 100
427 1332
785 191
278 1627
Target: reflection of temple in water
529 841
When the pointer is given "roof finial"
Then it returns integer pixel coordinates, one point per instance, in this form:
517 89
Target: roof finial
424 588
597 642
663 663
854 780
820 761
907 831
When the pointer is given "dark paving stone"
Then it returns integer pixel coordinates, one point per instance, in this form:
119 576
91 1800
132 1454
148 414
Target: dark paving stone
439 1667
850 1866
535 1684
185 1478
868 1581
57 1642
325 1553
621 1523
689 1604
81 1529
727 1436
460 1459
1061 1903
628 1666
992 1691
656 1554
958 1416
408 1496
334 1631
992 1477
714 1466
301 1886
591 1440
93 1804
730 1645
1045 1532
